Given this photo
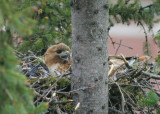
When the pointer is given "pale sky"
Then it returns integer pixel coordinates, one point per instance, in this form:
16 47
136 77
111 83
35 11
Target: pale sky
120 30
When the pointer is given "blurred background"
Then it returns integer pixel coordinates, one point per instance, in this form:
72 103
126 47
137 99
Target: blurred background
133 36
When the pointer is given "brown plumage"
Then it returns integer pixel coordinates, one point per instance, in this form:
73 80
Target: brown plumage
57 58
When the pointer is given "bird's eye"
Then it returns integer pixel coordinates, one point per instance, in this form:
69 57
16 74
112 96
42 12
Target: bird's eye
59 51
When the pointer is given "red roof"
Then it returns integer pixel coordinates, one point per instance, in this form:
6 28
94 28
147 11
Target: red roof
133 37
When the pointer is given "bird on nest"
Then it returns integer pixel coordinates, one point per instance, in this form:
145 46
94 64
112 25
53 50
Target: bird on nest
58 59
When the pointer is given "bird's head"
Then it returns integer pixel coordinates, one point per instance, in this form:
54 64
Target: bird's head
64 55
58 53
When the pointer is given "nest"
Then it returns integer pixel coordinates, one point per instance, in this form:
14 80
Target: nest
133 85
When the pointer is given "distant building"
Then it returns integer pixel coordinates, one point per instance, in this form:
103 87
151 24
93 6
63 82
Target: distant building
134 37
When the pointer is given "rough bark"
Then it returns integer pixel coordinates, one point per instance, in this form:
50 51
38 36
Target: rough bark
89 51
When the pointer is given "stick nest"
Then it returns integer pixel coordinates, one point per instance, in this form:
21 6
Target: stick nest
133 85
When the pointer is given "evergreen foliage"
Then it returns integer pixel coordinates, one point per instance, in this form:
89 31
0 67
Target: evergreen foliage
54 22
48 24
157 38
15 97
126 10
150 100
54 26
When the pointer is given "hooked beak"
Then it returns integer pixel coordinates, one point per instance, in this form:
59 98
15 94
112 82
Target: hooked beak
64 55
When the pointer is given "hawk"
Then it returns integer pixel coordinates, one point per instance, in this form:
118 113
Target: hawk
58 59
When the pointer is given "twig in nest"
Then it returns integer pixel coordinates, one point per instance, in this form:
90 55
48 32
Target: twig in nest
77 106
60 102
116 111
150 75
39 95
110 70
132 101
45 94
127 74
122 95
126 62
31 86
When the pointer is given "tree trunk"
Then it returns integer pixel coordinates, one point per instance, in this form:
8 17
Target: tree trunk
89 49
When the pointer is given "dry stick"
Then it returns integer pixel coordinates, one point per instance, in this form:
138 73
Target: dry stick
112 41
31 86
123 58
150 75
45 94
143 91
51 101
132 101
60 102
123 99
126 75
123 45
145 73
129 97
117 111
109 101
157 84
33 60
127 65
118 43
55 100
132 85
148 6
110 70
19 54
56 83
126 62
131 107
118 47
151 88
39 95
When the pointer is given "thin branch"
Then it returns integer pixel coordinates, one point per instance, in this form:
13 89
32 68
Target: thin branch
122 95
60 102
118 47
148 6
45 94
146 37
116 111
150 75
113 43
